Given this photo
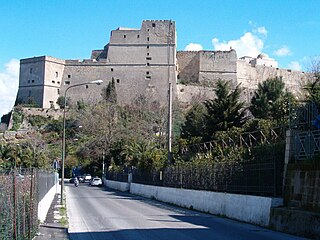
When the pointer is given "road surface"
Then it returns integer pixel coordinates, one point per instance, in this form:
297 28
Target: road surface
95 213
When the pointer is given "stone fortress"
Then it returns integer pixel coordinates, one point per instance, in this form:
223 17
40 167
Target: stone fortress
143 62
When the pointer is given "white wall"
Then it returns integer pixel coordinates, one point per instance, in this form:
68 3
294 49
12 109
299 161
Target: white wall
251 209
121 186
45 203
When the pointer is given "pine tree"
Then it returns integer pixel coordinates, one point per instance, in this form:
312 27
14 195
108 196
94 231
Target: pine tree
225 111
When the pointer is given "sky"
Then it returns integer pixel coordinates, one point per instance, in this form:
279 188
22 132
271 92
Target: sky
286 30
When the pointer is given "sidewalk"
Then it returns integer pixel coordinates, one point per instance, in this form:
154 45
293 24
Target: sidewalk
52 228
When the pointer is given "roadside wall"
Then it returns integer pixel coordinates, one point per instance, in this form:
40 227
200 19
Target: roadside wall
251 209
44 204
121 186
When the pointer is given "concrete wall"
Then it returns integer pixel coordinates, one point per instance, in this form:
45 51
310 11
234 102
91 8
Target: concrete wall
44 204
121 186
251 209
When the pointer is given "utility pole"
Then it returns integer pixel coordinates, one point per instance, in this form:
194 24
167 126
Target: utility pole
170 124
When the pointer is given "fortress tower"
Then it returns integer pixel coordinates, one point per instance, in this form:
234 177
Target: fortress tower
140 61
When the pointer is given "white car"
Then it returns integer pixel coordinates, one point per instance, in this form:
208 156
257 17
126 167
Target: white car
96 182
87 178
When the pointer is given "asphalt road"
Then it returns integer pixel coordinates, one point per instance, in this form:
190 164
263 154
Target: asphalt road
98 213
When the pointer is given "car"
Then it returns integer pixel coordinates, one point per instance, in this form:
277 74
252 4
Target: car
71 180
87 178
96 182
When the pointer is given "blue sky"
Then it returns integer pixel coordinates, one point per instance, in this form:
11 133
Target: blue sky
287 30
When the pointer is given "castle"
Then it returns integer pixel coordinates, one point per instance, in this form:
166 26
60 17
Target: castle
143 62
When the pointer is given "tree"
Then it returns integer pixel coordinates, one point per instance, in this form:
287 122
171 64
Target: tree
225 111
194 125
60 102
109 93
271 100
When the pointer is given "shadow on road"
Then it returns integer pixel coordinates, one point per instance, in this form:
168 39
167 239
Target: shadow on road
202 226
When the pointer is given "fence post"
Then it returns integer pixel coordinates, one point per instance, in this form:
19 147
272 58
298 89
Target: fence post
14 205
31 203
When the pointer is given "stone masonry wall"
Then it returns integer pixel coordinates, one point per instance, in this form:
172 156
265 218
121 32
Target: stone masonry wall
302 187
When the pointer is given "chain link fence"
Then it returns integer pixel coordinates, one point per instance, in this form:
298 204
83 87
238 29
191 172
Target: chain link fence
20 192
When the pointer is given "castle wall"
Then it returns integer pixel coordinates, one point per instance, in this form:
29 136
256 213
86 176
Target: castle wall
31 80
215 65
250 77
188 66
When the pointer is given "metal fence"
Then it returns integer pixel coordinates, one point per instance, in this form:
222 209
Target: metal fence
20 192
306 144
262 178
121 176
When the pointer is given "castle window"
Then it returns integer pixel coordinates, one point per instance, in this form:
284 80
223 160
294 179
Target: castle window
148 47
30 70
148 58
138 36
124 36
111 69
118 80
32 81
58 91
69 76
153 25
178 76
148 73
148 54
58 82
87 86
148 29
29 93
148 77
28 81
148 39
148 64
53 82
57 74
67 83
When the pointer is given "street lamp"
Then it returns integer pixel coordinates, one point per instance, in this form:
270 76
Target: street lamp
98 82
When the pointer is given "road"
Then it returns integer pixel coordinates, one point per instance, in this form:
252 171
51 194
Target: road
98 213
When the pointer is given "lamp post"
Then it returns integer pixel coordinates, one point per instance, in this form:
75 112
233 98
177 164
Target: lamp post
98 82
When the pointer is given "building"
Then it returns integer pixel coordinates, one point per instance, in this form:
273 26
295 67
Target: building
142 62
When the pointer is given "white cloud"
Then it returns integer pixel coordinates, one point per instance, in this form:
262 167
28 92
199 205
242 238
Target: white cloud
9 81
283 51
262 30
193 47
295 65
248 44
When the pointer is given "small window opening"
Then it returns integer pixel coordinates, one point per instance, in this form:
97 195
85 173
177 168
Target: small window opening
30 70
118 80
53 82
69 76
111 69
87 86
148 77
67 82
148 54
28 81
148 29
29 93
148 64
57 74
138 36
147 72
148 58
58 91
153 25
124 36
148 39
148 47
58 82
32 81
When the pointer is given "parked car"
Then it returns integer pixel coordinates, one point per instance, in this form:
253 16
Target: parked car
87 178
96 182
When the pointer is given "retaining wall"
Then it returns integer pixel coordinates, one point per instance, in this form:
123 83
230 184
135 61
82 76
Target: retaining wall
44 204
121 186
251 209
